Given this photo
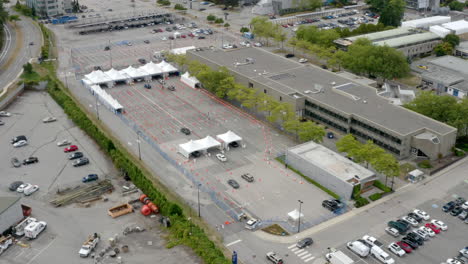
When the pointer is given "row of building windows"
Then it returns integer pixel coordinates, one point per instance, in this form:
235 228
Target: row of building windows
326 111
377 142
376 131
324 120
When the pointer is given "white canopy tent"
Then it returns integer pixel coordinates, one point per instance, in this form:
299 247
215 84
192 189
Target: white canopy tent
188 148
227 138
106 99
152 69
294 215
167 68
117 76
135 73
189 80
99 77
181 51
415 176
209 142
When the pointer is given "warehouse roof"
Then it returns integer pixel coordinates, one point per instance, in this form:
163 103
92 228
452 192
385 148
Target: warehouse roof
451 63
7 202
339 93
392 33
408 40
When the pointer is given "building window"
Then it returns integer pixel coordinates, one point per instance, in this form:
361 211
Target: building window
250 85
264 91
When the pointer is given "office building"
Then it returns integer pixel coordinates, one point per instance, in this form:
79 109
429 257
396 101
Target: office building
50 8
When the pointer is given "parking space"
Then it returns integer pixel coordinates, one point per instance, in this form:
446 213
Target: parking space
69 226
435 250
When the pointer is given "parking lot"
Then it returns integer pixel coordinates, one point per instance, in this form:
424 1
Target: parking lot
435 250
69 226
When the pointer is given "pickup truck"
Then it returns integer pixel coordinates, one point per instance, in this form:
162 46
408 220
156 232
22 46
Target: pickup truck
89 245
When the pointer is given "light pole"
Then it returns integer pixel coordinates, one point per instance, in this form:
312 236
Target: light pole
138 141
97 107
110 53
199 199
299 224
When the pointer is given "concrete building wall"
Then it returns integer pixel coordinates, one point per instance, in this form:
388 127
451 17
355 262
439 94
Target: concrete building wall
418 49
343 189
11 216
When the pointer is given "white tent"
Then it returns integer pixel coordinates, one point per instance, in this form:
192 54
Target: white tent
458 27
117 76
415 175
228 137
208 142
166 67
135 73
99 77
152 68
189 80
439 31
106 99
187 148
181 51
294 215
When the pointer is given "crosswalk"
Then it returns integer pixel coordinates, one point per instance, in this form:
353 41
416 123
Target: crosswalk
301 253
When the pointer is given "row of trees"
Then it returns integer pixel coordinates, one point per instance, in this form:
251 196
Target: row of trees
369 154
213 19
264 29
224 86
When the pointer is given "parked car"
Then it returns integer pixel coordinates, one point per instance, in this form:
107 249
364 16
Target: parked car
427 230
171 88
398 226
221 157
415 237
147 86
30 160
303 60
196 154
404 246
392 231
142 61
421 234
289 55
201 37
403 223
71 148
4 114
410 220
18 138
233 184
15 162
63 143
456 211
106 48
252 223
448 206
90 177
14 185
75 155
1 123
146 41
359 248
234 144
330 205
465 206
371 241
453 261
422 214
185 130
247 177
460 201
274 257
415 217
396 249
463 215
433 227
20 143
439 224
30 190
49 119
304 242
22 187
80 162
413 244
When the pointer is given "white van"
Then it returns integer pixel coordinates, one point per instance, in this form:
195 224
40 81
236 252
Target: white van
34 229
381 255
252 224
359 248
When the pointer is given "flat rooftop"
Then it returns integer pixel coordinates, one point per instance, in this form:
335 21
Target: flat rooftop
392 33
331 162
408 40
452 63
337 92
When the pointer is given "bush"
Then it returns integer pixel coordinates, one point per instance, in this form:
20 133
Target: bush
244 29
360 201
375 196
179 7
425 164
356 191
164 2
219 21
382 186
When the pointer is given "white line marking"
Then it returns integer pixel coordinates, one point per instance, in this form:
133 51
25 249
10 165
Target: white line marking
303 253
42 250
299 251
306 256
309 259
291 246
294 249
234 242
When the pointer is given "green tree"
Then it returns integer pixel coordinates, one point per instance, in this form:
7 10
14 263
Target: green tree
366 153
310 131
348 144
211 18
441 108
244 29
263 28
387 165
33 11
281 37
453 39
444 48
314 35
219 21
226 25
14 18
292 125
392 13
28 68
179 7
377 5
224 86
457 6
282 112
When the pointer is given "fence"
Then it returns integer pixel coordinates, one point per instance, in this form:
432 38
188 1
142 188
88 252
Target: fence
231 211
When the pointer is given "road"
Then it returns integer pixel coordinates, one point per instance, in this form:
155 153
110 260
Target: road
29 33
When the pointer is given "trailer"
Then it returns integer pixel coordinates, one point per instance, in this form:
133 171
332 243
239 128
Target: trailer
120 210
18 230
89 245
5 242
338 257
32 230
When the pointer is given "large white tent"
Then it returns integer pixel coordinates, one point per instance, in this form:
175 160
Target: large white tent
191 81
166 67
294 215
99 77
106 99
227 138
201 145
209 142
135 73
152 68
117 76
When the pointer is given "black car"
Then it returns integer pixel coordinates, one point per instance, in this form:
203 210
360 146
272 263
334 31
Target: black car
80 162
403 223
289 55
460 201
234 144
456 211
168 29
304 242
448 206
201 37
196 154
18 138
233 184
185 130
147 86
30 160
413 244
14 185
171 88
146 41
107 48
142 61
415 217
415 237
330 205
202 9
75 155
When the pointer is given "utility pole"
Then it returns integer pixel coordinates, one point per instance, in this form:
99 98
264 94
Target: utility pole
97 107
138 141
299 220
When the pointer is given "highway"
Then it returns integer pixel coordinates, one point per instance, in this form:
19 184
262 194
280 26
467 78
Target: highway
28 33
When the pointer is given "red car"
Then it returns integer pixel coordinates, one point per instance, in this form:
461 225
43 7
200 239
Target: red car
285 26
433 227
404 246
191 35
71 148
183 36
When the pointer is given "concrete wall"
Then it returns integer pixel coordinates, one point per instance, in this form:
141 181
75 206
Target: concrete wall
11 216
418 49
343 189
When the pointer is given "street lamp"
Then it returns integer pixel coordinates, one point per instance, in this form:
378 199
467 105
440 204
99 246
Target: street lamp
97 107
138 141
199 199
299 224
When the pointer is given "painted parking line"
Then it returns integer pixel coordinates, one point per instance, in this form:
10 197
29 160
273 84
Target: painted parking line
298 251
303 253
233 243
291 246
294 249
309 259
306 256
